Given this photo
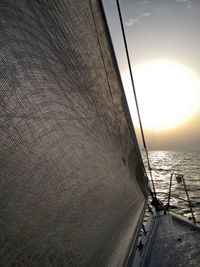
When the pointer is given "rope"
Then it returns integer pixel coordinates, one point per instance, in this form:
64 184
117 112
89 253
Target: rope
135 96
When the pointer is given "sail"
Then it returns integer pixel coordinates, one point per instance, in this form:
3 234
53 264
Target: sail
71 179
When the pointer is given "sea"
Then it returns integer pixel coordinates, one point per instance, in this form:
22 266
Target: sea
163 164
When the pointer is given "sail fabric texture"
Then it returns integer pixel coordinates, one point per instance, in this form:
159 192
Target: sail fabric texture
70 176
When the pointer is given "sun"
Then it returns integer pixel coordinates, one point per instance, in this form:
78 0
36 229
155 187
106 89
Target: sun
167 92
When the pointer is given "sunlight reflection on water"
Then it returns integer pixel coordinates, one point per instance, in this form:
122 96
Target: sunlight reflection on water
164 163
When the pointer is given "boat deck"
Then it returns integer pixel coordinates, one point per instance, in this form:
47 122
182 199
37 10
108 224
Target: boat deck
173 242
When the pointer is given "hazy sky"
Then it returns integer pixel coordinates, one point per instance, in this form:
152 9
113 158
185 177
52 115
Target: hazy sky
167 30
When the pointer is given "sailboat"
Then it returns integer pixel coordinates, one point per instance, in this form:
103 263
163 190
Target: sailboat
74 189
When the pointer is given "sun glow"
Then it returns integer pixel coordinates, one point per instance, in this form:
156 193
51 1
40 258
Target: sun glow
167 93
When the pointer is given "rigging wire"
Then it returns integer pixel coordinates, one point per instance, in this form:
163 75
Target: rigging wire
135 95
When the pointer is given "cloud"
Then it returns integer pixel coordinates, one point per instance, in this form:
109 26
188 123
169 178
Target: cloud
146 14
188 3
133 21
182 1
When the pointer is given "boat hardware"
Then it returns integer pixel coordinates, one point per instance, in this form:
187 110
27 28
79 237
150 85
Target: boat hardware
179 179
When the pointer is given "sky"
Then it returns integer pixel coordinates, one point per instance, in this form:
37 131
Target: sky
163 40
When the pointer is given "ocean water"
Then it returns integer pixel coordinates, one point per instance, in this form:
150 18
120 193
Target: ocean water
163 164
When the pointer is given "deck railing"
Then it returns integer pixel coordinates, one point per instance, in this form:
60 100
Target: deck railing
180 179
